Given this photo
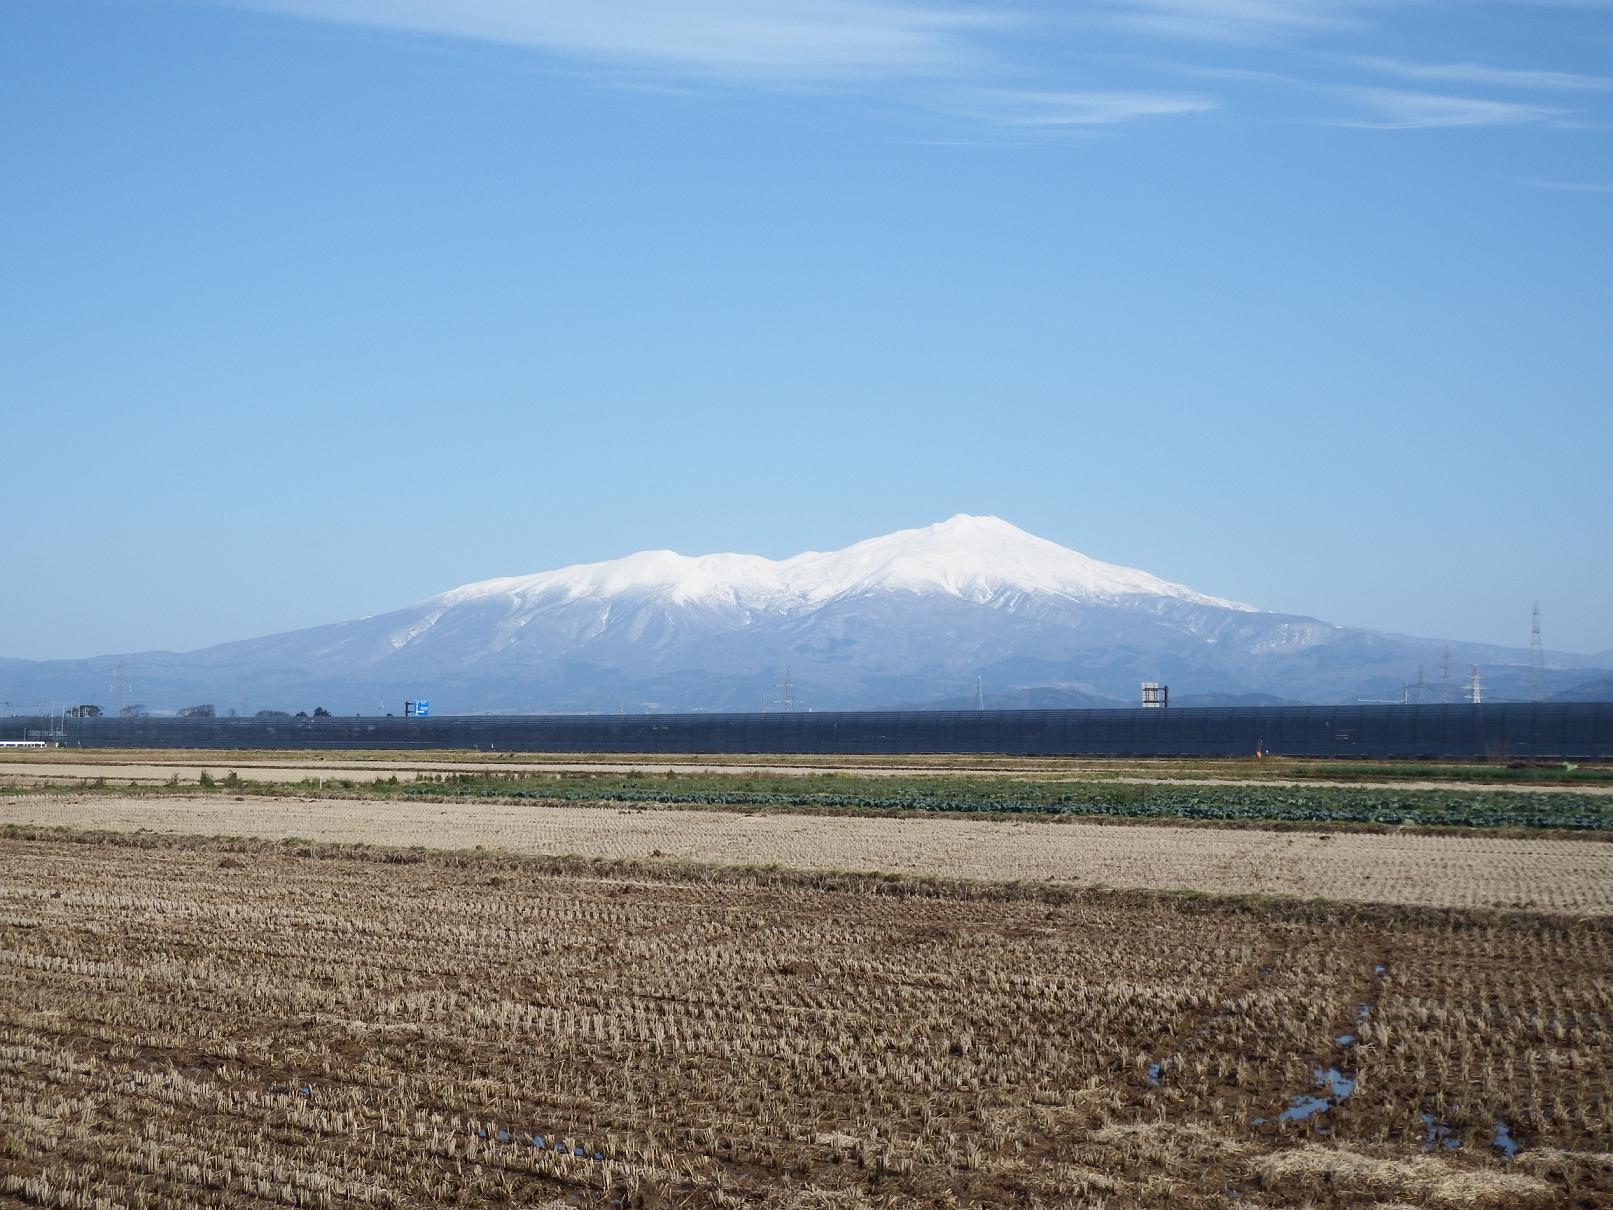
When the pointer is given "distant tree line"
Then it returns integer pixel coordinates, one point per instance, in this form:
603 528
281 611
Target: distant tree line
205 711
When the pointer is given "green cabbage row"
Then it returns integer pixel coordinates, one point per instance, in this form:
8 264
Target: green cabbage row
1331 805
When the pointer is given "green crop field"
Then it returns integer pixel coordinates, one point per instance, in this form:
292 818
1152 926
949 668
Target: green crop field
1332 804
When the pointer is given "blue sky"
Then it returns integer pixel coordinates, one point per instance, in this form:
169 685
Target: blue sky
312 308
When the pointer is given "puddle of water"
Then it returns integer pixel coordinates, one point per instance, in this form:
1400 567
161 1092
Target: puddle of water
1439 1134
1344 1040
1154 1070
1335 1081
1306 1106
544 1143
1503 1141
1302 1107
1379 968
1362 1012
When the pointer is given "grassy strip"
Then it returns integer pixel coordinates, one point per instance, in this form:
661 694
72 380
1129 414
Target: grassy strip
1558 773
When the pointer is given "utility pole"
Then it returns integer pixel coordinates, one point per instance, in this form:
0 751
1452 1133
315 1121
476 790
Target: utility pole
980 693
120 690
1537 660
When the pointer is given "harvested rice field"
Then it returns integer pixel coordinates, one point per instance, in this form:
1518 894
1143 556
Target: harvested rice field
243 1023
1573 876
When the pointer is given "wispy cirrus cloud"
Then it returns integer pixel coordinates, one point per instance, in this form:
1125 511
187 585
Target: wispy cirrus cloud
994 61
1052 109
1487 76
805 39
937 52
1402 109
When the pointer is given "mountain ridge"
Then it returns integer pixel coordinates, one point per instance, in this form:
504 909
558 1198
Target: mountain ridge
920 616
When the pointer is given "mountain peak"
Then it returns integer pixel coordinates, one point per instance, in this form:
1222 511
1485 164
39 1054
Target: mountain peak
982 558
969 522
978 558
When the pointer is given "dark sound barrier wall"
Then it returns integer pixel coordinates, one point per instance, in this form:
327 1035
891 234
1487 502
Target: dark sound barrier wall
1504 731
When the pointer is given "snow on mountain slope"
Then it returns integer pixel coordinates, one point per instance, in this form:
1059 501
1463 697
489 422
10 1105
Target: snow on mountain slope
979 559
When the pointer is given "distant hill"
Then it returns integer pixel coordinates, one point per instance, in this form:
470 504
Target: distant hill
914 617
1031 697
1231 699
1599 689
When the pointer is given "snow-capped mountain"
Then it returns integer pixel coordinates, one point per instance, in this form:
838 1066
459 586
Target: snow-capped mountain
979 559
917 617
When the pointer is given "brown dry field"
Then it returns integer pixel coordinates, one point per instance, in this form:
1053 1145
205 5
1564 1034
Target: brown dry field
187 1023
1557 875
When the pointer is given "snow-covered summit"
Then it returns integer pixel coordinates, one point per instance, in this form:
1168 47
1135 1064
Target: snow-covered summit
979 559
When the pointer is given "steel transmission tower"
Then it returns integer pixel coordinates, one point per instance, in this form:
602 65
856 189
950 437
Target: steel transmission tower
120 690
786 696
1537 660
1447 689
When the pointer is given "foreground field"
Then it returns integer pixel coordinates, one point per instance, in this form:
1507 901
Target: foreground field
231 1025
1570 876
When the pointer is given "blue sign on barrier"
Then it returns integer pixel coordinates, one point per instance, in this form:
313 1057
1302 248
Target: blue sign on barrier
422 708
